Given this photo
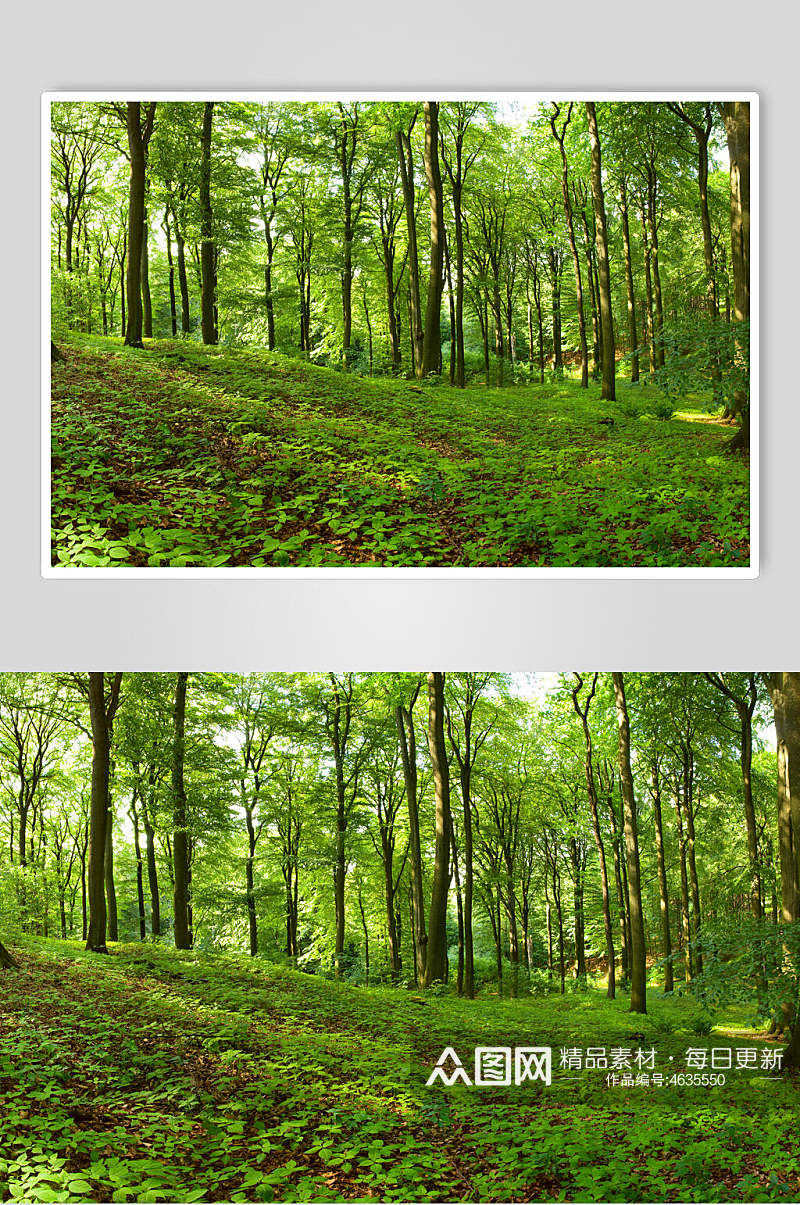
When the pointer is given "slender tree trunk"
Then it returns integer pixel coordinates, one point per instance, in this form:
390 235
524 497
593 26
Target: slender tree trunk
577 896
688 799
432 341
183 280
147 303
407 177
207 255
666 939
111 891
460 920
737 128
573 246
435 962
686 939
656 270
558 357
606 319
139 872
101 716
459 228
452 306
180 839
638 950
648 293
252 923
404 721
152 872
173 313
136 192
560 919
626 244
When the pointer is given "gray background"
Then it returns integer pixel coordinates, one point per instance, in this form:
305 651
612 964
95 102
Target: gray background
312 624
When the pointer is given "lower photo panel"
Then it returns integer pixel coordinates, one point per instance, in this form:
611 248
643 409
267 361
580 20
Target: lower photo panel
399 936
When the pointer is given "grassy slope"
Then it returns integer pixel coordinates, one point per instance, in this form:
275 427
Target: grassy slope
182 455
154 1076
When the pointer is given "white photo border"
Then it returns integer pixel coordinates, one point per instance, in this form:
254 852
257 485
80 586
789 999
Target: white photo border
54 572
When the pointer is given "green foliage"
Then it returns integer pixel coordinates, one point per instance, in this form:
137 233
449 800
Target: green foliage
187 456
151 1076
706 355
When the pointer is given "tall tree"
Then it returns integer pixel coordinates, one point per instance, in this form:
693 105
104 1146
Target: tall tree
638 949
180 820
207 249
436 961
139 128
432 342
103 705
559 128
601 234
737 127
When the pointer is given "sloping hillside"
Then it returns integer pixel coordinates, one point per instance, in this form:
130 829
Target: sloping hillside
188 456
152 1076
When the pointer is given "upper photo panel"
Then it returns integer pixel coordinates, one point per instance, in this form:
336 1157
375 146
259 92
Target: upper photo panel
504 334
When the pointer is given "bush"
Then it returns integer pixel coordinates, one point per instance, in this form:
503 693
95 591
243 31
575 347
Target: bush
706 355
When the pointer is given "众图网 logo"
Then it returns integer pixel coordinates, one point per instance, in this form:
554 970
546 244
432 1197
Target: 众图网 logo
495 1067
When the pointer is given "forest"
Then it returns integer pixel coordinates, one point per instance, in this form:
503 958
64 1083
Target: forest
396 333
256 926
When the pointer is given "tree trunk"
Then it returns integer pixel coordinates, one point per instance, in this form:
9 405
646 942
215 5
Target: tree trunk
407 177
435 963
147 302
666 939
686 939
101 717
136 192
173 313
251 899
638 952
784 689
7 959
152 873
648 296
180 839
432 341
207 255
404 720
577 897
573 246
601 235
139 872
111 891
656 270
737 128
626 243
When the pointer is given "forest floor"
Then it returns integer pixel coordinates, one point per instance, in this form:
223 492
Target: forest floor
181 455
153 1076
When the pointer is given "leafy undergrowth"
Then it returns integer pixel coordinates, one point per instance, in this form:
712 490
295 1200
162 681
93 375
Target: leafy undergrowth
181 455
154 1076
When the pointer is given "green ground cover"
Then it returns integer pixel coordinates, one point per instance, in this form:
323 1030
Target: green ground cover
154 1076
182 455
